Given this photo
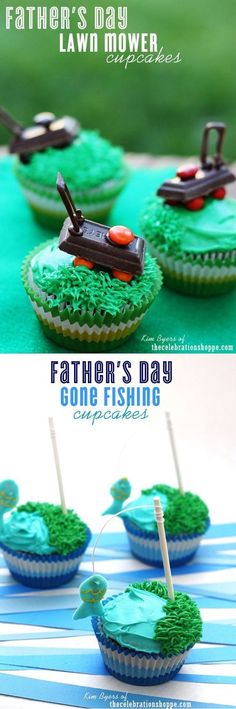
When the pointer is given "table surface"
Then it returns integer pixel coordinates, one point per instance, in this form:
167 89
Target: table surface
173 320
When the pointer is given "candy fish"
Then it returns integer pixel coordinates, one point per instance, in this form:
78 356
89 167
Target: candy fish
9 496
120 492
91 593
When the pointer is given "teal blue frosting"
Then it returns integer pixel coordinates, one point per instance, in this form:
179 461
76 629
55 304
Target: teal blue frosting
51 257
24 531
144 518
131 617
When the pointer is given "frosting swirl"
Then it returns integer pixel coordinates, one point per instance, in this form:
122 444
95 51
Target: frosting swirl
24 531
131 618
144 518
50 258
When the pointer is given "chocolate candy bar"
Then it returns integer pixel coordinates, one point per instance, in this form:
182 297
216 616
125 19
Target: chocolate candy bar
90 240
46 132
198 181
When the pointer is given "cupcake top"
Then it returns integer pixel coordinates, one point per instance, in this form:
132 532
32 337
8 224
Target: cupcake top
26 532
144 619
89 161
178 232
43 528
94 291
184 513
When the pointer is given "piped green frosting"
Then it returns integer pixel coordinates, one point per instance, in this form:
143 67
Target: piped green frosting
93 291
182 625
87 163
161 226
184 514
66 532
176 231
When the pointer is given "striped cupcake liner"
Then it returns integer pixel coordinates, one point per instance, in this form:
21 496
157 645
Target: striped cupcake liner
50 211
136 667
82 332
215 274
146 546
76 336
44 571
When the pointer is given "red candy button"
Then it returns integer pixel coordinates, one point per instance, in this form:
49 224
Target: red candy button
78 261
120 235
194 204
187 172
122 276
219 193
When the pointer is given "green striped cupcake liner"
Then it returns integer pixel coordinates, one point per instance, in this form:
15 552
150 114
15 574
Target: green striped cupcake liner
202 275
49 210
82 332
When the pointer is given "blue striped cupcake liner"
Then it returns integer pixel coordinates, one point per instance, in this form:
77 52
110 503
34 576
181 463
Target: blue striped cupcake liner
133 666
46 570
146 546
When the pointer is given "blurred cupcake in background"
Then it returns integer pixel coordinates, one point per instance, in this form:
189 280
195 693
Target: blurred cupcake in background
191 225
186 521
42 546
42 543
186 516
94 168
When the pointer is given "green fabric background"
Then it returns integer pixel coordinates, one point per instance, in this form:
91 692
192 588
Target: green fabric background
201 322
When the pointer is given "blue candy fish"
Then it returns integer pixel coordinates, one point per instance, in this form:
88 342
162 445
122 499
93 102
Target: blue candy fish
120 492
91 593
9 496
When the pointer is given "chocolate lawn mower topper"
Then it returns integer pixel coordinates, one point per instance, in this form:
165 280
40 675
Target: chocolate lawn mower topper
93 244
46 132
194 182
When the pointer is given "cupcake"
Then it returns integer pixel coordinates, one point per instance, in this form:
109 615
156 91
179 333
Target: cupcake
42 545
191 226
94 168
144 636
186 521
90 291
145 633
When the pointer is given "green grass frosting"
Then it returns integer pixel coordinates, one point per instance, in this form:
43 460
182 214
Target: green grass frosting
182 626
184 514
161 226
67 532
87 163
97 291
177 232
